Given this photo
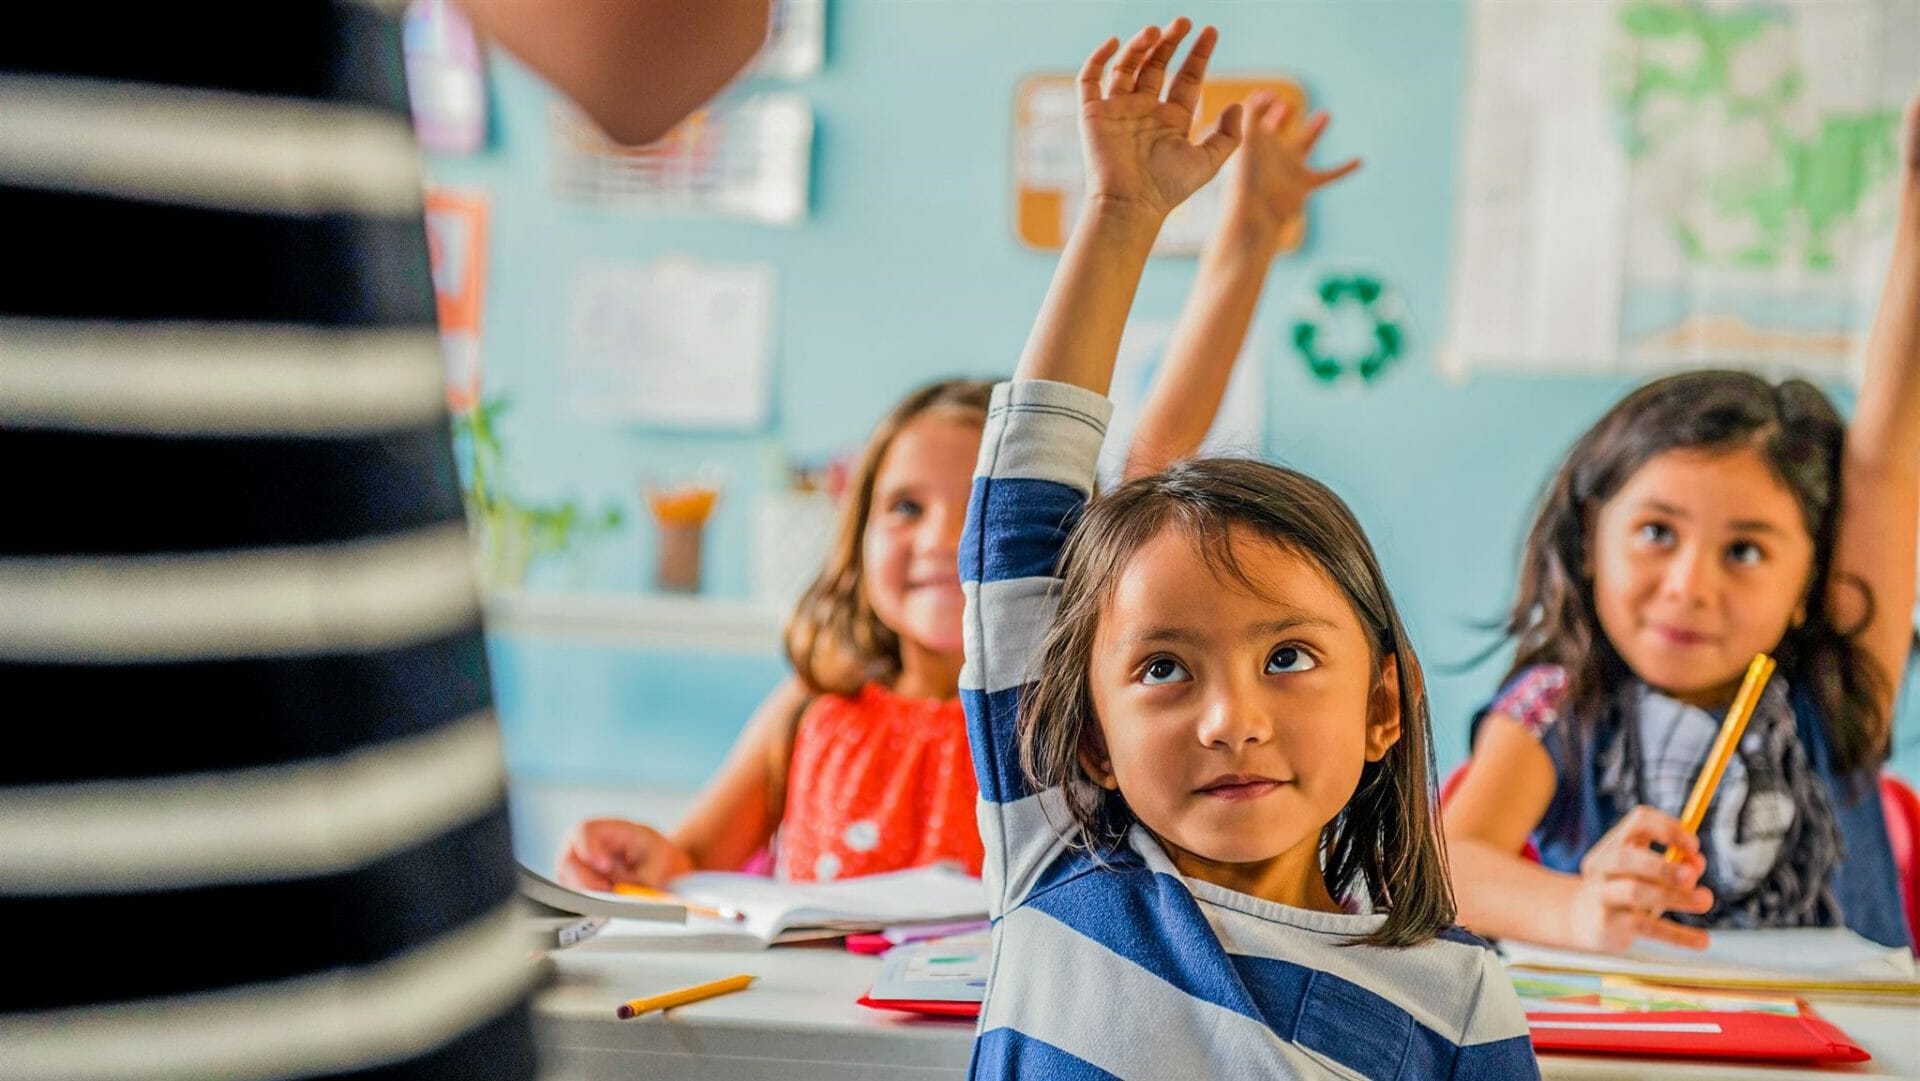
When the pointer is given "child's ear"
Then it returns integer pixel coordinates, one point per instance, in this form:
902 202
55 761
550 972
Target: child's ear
1094 760
1383 711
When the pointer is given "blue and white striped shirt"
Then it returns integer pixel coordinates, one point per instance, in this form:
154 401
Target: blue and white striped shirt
1129 969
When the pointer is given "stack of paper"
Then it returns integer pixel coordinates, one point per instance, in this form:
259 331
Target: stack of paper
1813 959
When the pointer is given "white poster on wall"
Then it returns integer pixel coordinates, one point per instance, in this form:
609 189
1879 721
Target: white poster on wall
1240 426
674 343
747 157
796 42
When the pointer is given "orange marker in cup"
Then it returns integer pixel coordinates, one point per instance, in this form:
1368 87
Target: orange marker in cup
680 513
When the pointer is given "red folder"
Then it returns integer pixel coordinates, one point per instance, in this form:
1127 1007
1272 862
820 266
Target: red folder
931 1007
1665 1034
1697 1035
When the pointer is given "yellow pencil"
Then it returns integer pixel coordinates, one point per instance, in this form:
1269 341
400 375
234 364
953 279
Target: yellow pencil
1724 745
648 893
683 996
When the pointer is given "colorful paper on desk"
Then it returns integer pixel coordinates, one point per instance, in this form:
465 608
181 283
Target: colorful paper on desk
943 970
777 910
1804 958
946 977
1544 992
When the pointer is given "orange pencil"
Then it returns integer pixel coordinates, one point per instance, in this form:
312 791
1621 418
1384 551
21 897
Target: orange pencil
1724 744
682 997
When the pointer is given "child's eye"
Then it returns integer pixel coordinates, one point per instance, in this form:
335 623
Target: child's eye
1745 553
1291 659
1163 670
1655 533
905 508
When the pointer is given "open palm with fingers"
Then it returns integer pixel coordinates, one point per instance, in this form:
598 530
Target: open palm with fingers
1270 178
1139 146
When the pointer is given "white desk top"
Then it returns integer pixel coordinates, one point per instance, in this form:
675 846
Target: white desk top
800 1022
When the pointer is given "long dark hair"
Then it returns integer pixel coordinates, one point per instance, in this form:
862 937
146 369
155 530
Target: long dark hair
1385 841
1800 435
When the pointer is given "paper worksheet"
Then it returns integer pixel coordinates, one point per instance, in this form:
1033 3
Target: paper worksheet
1805 953
778 910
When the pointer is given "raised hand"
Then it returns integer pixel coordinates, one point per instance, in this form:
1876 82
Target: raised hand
1270 179
1139 150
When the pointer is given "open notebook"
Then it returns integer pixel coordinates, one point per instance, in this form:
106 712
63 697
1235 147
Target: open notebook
1811 959
780 911
558 917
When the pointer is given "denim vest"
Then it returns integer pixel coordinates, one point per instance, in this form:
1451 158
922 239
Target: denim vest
1865 884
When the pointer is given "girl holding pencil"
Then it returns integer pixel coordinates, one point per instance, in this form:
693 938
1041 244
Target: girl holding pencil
1705 519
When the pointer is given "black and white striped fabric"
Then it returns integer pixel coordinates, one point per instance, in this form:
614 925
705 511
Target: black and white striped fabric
251 798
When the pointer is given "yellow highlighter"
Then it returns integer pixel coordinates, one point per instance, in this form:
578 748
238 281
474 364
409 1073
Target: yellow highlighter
1724 744
682 997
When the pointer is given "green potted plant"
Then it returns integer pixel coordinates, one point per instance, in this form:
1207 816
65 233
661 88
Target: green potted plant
510 534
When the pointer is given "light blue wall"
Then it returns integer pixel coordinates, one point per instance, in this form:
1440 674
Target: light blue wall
907 270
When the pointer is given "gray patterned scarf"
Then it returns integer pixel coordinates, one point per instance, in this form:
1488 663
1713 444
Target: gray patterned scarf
1770 838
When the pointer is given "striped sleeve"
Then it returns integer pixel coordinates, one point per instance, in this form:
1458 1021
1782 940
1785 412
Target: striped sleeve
1035 475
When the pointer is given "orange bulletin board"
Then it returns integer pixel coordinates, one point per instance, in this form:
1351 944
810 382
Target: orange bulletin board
1049 182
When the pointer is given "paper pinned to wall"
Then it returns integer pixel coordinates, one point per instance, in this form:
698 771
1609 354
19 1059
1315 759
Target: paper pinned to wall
1662 185
1239 428
457 253
746 157
446 78
673 343
1050 183
796 42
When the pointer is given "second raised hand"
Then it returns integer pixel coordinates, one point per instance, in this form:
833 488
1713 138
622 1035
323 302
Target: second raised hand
1270 178
1139 148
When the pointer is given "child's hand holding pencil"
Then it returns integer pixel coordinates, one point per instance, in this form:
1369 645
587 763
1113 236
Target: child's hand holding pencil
1625 885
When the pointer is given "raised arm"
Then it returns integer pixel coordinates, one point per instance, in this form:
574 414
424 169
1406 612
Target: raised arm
1141 163
1268 182
1044 430
1880 509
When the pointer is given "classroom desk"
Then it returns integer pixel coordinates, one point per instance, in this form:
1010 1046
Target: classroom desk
799 1022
